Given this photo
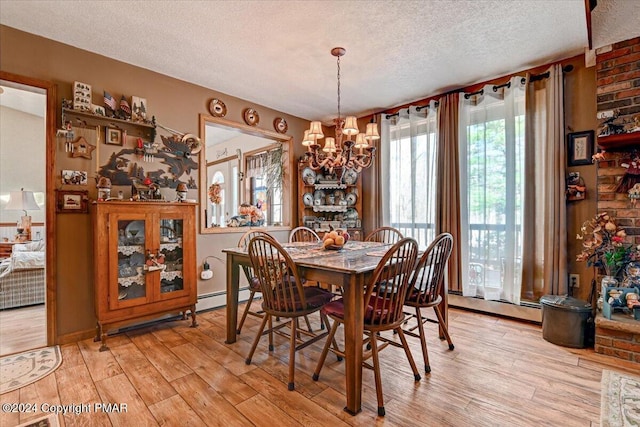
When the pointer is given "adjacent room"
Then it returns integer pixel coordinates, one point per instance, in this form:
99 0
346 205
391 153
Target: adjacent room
415 213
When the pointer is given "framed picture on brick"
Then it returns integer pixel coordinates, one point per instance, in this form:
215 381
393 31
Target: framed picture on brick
579 148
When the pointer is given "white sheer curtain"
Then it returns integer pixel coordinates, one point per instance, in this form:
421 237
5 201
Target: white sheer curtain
409 150
491 138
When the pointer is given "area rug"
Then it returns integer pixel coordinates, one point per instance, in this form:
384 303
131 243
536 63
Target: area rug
19 370
620 402
50 420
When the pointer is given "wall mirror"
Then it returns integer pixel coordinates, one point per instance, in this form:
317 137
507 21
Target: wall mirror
245 177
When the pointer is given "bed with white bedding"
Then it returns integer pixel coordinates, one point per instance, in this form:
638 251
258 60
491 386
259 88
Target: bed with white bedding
22 276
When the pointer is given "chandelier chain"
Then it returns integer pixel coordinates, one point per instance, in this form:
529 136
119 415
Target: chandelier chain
339 89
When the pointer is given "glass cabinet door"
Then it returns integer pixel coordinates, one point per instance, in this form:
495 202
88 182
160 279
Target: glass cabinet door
131 258
171 255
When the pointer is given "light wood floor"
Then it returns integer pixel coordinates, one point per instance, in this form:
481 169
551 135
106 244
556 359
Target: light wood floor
23 329
501 373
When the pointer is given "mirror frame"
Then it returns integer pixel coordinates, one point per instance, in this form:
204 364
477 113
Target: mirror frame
50 215
288 189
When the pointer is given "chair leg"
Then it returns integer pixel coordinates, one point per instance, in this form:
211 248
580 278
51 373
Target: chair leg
245 312
292 354
325 320
423 340
407 351
376 372
257 339
270 333
325 350
443 327
306 319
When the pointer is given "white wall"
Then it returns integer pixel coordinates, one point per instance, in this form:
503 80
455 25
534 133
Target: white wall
22 160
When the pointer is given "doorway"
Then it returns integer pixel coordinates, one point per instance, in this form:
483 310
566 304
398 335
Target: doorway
27 288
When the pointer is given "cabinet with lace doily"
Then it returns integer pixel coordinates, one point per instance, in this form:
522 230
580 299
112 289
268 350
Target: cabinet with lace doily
144 262
327 201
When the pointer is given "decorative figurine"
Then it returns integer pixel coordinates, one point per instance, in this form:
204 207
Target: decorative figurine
104 188
181 192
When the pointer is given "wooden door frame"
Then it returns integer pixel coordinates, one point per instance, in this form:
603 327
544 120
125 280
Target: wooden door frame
50 159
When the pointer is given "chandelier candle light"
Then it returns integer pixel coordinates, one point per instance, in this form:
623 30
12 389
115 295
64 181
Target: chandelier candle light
340 153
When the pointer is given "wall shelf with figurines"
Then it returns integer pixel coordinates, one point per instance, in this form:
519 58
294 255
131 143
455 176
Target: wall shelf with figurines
136 129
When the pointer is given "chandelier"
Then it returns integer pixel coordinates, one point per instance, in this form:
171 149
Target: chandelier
342 152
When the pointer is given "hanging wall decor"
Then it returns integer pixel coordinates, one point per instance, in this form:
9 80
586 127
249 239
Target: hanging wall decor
121 169
113 136
251 117
82 148
217 108
71 177
580 148
280 125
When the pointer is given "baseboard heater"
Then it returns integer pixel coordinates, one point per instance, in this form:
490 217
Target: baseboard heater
206 302
527 310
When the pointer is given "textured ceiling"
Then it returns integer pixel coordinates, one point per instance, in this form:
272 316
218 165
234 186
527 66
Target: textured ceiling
277 53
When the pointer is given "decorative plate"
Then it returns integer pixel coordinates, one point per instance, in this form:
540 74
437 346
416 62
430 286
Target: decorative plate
351 199
251 117
307 199
308 176
217 108
280 125
193 142
350 177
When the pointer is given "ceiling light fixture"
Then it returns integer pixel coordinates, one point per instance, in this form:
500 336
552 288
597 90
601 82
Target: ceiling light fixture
340 153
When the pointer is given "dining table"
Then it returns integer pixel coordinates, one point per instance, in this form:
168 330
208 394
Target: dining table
349 268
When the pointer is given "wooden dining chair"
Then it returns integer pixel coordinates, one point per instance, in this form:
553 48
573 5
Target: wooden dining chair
254 285
387 235
284 297
425 288
382 311
303 234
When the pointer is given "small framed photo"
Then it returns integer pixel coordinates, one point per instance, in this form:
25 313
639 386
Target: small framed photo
138 109
70 177
113 136
72 201
81 96
579 148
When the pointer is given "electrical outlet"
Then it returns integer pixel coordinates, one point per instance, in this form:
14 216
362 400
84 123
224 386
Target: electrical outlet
574 280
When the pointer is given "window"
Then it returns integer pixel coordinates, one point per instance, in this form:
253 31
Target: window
409 146
264 173
492 191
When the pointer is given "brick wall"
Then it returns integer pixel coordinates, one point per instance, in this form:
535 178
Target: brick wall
618 87
610 172
618 339
618 78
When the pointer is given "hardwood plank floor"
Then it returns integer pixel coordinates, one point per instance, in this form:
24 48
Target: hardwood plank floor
23 329
501 373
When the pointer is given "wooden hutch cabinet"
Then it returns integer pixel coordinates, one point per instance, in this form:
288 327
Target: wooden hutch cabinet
144 262
327 202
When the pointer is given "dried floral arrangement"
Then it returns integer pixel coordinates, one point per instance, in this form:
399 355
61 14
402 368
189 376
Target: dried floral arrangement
604 245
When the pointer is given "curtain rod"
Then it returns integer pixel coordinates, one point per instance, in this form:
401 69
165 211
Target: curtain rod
418 108
535 77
